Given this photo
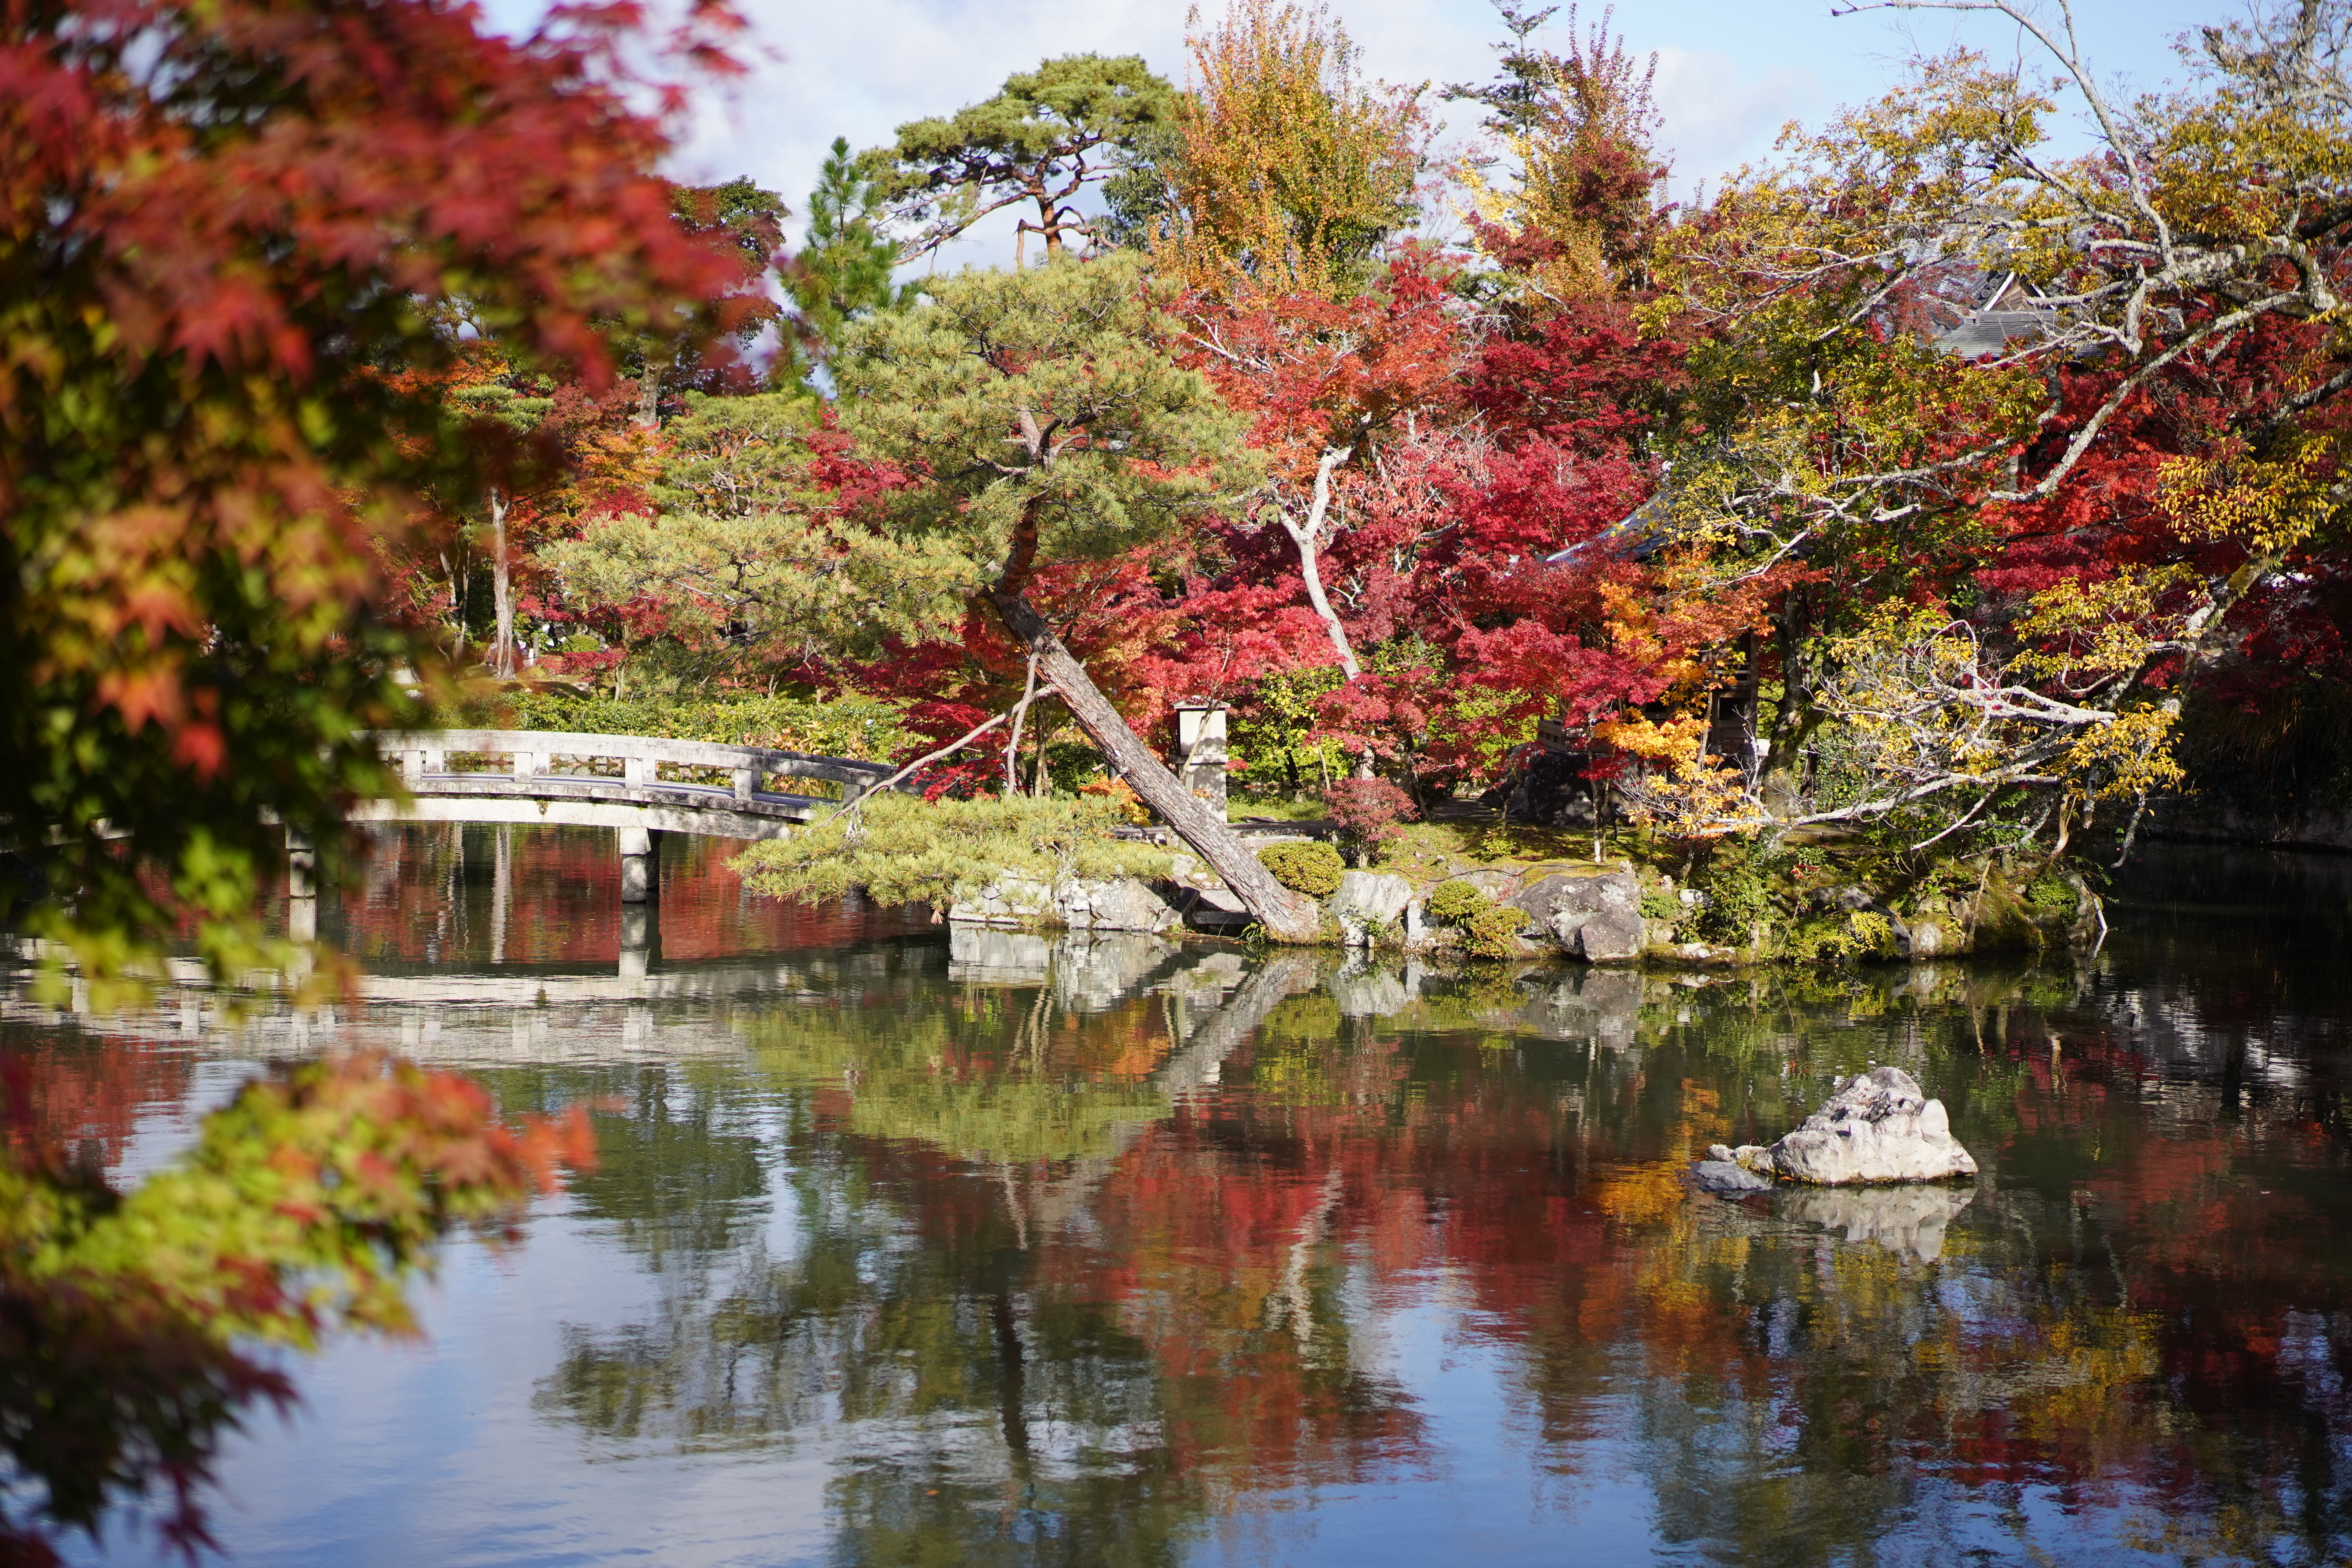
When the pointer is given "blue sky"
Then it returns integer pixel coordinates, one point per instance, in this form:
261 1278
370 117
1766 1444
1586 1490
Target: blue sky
1730 72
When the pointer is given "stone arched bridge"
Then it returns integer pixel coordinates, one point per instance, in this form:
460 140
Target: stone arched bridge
638 785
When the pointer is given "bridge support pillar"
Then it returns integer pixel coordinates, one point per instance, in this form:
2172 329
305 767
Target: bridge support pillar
302 861
301 887
640 865
640 939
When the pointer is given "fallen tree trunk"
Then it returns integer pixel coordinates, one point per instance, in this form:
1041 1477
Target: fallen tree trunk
1286 916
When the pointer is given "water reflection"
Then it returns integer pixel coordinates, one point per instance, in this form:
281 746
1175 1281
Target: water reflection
1116 1251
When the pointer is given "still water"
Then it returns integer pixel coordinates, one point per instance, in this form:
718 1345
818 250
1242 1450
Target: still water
908 1249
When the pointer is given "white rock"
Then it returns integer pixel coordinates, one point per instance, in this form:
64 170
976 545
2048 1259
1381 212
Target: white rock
1877 1128
1367 902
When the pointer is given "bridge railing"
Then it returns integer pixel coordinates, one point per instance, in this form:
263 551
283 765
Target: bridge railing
532 753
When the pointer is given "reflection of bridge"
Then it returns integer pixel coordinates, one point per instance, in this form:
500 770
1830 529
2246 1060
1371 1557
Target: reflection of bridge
639 786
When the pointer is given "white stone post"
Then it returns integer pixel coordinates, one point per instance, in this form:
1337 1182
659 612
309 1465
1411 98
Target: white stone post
1201 738
640 865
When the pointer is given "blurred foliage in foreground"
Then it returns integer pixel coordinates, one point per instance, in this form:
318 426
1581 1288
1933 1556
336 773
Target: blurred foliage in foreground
135 1327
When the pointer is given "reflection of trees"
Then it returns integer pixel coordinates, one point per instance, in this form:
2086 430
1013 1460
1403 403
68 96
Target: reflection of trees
1054 1304
85 1096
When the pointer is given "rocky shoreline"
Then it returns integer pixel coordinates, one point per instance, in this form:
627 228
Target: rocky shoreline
1583 912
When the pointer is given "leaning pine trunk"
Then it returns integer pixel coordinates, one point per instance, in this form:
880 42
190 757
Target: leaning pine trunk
1286 916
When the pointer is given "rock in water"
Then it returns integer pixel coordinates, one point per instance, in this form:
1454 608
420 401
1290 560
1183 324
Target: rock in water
1723 1176
1878 1127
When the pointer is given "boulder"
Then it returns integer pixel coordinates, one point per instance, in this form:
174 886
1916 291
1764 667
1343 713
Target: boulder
1118 904
1877 1128
1611 936
1490 880
1723 1176
1367 902
1608 903
1014 901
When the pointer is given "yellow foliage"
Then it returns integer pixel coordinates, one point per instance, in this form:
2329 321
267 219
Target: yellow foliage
1681 787
2269 507
2099 628
1292 170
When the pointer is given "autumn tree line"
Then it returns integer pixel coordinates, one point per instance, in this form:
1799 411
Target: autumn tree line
1926 483
1930 484
1935 483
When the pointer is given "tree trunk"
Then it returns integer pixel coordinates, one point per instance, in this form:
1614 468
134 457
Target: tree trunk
1286 916
649 390
1781 780
1308 537
503 639
1732 732
457 609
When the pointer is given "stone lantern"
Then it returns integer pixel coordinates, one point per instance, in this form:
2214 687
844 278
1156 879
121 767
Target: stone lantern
1200 752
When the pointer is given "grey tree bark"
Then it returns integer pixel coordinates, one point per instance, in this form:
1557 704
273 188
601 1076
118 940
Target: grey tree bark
1286 916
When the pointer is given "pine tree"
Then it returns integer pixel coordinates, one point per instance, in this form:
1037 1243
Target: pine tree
841 272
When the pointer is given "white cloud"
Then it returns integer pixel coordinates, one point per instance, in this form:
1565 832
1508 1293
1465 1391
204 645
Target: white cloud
861 67
1718 117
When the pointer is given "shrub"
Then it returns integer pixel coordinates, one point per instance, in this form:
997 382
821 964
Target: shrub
1310 868
1366 812
1492 931
1739 879
1453 903
868 728
2052 895
1657 904
1121 796
896 849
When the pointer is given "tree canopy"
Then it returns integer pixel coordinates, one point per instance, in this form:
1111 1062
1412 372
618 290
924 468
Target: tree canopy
220 226
1046 137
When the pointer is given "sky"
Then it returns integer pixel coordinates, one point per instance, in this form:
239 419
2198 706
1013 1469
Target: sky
1730 72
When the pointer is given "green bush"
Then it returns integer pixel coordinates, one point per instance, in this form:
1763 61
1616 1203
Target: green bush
1657 904
1310 869
2052 895
1740 881
864 728
1492 931
896 849
1453 903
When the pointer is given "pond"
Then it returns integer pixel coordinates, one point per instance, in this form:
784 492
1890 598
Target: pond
909 1247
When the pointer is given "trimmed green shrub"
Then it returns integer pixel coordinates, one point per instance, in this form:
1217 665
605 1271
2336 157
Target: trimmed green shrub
896 849
1453 903
1311 868
1492 931
865 728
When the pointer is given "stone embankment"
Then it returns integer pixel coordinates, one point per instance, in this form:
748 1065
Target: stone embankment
1594 913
